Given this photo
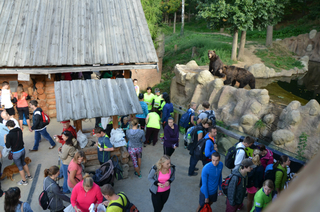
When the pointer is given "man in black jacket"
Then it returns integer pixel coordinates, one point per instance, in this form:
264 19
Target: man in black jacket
237 185
39 127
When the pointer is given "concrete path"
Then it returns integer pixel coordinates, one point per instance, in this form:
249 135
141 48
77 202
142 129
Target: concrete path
184 194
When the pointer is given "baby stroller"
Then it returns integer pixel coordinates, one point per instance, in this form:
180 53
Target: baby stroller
105 174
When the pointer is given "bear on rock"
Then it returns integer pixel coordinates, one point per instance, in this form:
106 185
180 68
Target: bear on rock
215 62
234 74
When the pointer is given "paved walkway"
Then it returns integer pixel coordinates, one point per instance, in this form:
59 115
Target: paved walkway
184 194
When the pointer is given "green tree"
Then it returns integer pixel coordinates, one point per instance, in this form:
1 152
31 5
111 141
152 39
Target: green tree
238 15
169 7
153 14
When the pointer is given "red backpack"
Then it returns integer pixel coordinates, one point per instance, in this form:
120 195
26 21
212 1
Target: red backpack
45 118
206 208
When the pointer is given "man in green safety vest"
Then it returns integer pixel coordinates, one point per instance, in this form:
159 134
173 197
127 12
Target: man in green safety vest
158 101
148 98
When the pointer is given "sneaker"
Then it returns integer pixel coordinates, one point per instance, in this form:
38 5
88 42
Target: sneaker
194 174
140 176
21 182
29 178
135 173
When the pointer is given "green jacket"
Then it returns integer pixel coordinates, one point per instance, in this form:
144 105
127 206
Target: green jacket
280 179
261 200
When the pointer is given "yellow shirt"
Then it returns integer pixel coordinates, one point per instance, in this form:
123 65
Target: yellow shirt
114 208
148 98
154 120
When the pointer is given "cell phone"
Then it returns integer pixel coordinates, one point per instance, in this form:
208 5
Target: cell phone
138 125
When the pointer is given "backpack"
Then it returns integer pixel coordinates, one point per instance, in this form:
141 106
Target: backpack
117 168
130 207
206 208
212 117
187 137
198 151
226 182
44 200
105 174
270 173
231 156
185 119
45 119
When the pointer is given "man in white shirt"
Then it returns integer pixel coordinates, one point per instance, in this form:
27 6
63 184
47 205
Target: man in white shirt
241 153
6 117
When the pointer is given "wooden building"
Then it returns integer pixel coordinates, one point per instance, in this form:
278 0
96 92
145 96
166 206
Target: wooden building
39 39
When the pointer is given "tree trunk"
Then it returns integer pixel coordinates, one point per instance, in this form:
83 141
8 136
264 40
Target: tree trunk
234 45
189 16
269 36
242 44
182 19
174 22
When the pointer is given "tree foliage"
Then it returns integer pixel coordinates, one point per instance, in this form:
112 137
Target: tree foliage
170 6
153 14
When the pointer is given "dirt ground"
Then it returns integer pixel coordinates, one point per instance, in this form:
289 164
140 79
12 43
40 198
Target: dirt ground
184 194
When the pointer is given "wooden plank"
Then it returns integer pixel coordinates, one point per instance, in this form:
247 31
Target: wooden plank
90 150
96 56
122 43
75 32
70 33
54 33
87 58
64 32
116 36
5 26
115 122
127 74
102 35
107 30
16 36
73 69
41 24
92 163
47 33
34 36
228 133
82 18
58 97
77 124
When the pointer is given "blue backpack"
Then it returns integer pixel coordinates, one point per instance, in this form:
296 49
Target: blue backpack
185 119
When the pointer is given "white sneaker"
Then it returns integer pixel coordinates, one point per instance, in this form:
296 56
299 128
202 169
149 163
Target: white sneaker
21 182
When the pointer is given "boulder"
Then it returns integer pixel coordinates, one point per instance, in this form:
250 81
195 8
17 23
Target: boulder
261 71
269 118
248 120
192 65
204 77
282 137
312 34
309 48
255 107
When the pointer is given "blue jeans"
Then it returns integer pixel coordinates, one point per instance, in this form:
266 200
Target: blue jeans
37 138
65 179
192 165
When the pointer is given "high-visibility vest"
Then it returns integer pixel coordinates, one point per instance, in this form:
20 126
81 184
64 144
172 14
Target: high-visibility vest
148 98
157 101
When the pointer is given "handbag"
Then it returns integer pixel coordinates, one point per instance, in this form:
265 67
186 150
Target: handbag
206 208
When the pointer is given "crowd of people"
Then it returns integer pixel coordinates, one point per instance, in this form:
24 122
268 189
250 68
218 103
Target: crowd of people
247 178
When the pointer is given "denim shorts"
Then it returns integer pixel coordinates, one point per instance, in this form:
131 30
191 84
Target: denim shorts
18 159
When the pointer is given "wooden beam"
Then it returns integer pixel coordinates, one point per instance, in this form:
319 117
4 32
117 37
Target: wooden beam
74 69
127 74
77 124
115 122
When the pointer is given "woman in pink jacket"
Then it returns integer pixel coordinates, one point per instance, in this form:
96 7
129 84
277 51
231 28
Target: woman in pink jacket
266 156
84 194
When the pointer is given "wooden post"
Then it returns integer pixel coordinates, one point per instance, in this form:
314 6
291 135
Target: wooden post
77 124
115 122
176 118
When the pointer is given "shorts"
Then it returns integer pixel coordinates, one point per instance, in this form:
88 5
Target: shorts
10 111
142 122
212 198
18 159
252 190
135 153
21 111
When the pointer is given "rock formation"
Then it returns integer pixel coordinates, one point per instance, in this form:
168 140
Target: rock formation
243 109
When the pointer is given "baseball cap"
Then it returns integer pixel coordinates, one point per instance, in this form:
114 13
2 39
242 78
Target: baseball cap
156 90
67 121
247 162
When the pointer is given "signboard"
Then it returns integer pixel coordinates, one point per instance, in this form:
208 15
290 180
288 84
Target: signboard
23 77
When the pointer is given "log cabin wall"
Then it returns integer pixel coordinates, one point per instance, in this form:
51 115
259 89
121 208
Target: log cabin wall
44 92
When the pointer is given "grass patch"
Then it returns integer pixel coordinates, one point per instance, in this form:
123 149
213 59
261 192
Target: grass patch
278 58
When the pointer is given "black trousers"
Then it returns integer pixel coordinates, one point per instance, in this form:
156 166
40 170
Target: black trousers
159 199
168 151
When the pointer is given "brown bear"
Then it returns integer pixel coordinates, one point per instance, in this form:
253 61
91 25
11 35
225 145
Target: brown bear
234 74
215 62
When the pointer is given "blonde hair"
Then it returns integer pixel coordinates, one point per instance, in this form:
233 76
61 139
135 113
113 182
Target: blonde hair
163 159
134 122
256 157
191 104
20 91
87 181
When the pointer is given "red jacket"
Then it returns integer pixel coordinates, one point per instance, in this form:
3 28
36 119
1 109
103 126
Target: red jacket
83 199
267 159
70 129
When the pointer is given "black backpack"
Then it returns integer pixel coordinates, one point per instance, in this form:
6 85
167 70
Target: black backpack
44 200
270 174
117 168
130 207
198 151
231 156
226 182
212 117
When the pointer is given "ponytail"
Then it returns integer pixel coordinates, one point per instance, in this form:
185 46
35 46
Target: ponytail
256 157
51 171
282 159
